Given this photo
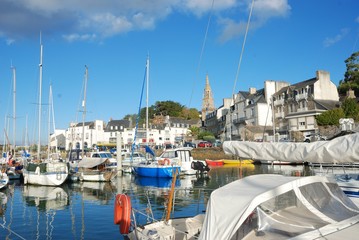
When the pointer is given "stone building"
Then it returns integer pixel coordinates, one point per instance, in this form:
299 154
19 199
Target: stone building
296 106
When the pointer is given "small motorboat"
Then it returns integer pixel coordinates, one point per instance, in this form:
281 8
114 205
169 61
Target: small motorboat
214 162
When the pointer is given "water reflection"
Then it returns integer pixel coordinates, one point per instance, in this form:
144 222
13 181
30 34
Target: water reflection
84 210
45 198
99 192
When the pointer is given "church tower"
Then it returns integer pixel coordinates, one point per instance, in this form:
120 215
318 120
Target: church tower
207 102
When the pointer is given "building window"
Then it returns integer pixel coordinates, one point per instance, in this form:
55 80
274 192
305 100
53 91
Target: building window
302 124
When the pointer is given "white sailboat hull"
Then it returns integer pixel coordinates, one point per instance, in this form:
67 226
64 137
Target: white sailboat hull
4 180
96 175
47 174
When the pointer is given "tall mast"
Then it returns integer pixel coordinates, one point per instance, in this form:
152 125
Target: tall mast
49 123
84 111
147 83
14 108
40 96
26 136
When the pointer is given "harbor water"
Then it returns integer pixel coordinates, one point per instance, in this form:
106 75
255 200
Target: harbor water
85 210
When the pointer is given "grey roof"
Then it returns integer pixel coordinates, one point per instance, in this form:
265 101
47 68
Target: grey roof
117 123
297 85
90 124
326 104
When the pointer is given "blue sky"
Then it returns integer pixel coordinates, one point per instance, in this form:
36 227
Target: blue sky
287 40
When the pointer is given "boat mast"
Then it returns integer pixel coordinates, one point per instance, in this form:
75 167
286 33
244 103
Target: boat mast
14 108
26 136
50 108
40 96
84 112
147 83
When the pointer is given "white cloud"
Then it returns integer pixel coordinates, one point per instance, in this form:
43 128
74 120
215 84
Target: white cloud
94 19
262 11
77 37
329 41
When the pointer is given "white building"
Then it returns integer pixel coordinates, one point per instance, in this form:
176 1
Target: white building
296 106
97 133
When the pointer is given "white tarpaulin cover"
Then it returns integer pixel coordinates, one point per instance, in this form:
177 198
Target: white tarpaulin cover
91 162
230 206
343 149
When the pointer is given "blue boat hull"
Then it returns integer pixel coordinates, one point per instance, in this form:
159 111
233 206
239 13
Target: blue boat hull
156 182
156 171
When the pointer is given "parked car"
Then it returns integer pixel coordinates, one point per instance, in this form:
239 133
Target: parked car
217 143
284 140
169 146
204 144
314 137
189 144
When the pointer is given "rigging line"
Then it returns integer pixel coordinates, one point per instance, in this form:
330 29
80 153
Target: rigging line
244 42
79 106
2 225
201 54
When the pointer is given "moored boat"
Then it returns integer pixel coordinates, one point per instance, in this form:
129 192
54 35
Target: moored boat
49 173
4 179
94 169
238 161
268 206
214 162
181 156
153 168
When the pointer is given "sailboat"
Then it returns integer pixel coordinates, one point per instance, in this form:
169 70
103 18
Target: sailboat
14 166
152 167
4 179
92 168
49 172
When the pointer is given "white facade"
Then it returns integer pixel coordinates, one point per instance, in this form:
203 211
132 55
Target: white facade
95 135
88 135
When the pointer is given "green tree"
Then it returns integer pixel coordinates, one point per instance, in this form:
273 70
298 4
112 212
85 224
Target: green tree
191 113
350 108
170 108
132 118
194 131
205 135
330 117
351 76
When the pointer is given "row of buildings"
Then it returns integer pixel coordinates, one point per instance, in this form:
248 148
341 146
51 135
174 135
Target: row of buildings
277 110
101 134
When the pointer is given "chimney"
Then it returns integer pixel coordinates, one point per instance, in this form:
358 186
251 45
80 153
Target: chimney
350 93
252 90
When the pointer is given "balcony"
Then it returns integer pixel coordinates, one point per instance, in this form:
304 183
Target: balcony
279 115
241 120
302 109
301 96
278 102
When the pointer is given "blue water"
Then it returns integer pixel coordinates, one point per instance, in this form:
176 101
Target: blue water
85 210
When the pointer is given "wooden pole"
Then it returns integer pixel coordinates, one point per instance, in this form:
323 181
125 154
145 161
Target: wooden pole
169 207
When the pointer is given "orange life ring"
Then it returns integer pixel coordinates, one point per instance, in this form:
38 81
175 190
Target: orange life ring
166 161
122 212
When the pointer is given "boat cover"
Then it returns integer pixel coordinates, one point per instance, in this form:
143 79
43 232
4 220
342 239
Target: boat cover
343 149
232 205
89 162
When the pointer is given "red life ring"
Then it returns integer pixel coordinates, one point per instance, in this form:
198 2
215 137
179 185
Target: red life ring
122 212
166 161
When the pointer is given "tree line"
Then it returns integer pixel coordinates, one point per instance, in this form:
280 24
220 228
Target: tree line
349 107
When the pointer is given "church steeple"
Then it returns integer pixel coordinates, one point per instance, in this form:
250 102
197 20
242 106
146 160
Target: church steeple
207 102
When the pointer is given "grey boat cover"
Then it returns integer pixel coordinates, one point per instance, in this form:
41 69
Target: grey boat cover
89 162
343 149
